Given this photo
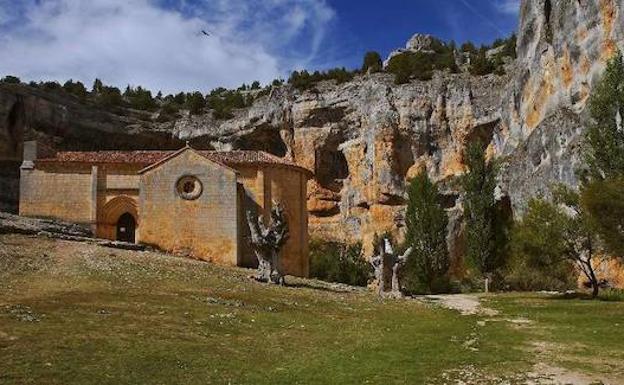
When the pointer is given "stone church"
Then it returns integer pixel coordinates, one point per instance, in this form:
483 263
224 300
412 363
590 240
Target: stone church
187 202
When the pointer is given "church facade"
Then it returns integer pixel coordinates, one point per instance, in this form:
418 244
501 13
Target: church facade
187 202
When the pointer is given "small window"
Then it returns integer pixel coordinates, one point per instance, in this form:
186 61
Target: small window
189 187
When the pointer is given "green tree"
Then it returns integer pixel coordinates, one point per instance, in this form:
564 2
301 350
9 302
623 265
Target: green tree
604 201
97 86
109 97
480 64
604 140
195 103
10 80
140 98
372 62
255 85
75 88
485 228
554 233
426 220
603 189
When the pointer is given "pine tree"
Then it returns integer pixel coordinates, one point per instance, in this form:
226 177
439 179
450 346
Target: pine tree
426 220
97 86
372 62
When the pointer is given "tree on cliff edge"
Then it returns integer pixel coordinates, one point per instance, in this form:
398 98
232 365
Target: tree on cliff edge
426 220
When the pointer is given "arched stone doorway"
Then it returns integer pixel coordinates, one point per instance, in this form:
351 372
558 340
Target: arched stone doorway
118 219
126 228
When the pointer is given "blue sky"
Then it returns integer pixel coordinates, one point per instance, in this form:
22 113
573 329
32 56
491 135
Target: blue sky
159 43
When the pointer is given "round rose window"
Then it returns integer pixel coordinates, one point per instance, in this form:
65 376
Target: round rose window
189 187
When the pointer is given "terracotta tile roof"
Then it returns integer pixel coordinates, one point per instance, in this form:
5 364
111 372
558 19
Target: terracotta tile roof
146 158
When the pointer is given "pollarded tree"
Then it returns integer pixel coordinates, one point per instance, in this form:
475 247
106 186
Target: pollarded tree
267 242
485 230
426 220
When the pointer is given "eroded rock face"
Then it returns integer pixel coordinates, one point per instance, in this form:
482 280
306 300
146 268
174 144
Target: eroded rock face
365 138
562 50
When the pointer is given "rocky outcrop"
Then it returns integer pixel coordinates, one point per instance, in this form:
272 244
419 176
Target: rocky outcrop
562 49
365 138
417 43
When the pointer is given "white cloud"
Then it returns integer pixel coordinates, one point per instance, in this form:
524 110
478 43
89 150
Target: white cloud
139 42
509 7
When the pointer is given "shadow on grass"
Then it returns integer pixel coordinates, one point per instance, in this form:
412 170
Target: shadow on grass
605 295
338 288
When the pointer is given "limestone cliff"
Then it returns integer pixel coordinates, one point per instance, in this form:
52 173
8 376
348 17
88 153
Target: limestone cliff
563 46
365 138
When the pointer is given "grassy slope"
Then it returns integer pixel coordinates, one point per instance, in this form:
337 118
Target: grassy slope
80 314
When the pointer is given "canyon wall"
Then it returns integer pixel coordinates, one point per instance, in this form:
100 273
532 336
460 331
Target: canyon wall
365 138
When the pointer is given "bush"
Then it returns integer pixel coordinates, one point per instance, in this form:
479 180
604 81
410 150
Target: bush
420 65
372 62
338 262
223 102
480 64
10 80
304 80
520 276
75 88
140 98
195 103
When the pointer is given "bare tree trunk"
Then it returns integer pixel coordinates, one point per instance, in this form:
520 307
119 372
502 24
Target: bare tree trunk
378 267
267 242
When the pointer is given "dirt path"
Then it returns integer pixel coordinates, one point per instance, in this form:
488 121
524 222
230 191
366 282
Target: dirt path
542 373
466 304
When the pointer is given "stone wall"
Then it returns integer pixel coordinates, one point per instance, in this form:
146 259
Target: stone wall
57 191
205 228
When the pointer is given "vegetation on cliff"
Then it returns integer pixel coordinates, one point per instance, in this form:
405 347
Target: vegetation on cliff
603 180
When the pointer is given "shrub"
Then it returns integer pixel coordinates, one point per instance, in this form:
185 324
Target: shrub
550 236
420 65
372 62
304 80
10 80
223 102
140 98
521 276
75 88
480 64
109 97
338 262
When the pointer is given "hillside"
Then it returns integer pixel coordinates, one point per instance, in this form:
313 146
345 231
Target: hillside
142 317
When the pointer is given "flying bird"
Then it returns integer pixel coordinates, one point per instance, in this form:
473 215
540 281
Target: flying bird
205 33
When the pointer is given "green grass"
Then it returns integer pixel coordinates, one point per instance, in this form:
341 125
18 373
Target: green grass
79 314
575 332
